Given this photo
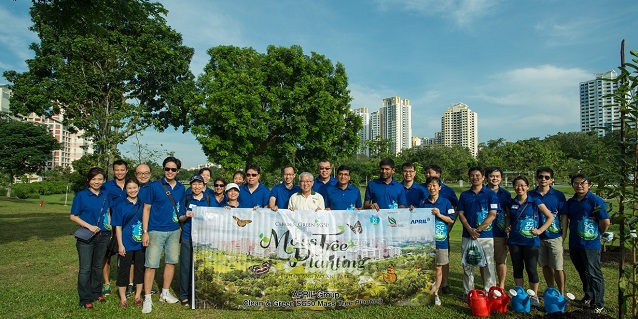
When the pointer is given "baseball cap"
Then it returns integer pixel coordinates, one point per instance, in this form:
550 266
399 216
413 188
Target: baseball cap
231 186
197 178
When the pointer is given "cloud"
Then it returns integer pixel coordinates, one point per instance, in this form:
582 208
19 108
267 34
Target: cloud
15 38
461 12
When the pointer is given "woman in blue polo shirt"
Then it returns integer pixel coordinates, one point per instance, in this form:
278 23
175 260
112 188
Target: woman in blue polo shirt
127 220
524 214
90 209
219 192
232 197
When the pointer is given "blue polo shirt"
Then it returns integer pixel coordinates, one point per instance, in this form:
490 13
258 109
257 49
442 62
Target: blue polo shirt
115 192
554 200
524 217
415 194
498 225
584 216
144 191
322 188
446 192
476 207
132 231
387 196
282 194
441 227
259 197
192 203
344 199
211 195
92 208
163 215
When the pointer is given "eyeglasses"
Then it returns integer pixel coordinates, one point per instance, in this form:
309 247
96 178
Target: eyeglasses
583 183
545 177
143 173
408 171
343 174
252 175
171 169
289 174
303 182
324 168
219 185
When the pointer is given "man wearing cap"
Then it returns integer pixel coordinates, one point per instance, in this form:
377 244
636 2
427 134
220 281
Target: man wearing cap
198 196
306 199
254 193
280 193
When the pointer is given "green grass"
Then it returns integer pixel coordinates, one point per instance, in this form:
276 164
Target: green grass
38 276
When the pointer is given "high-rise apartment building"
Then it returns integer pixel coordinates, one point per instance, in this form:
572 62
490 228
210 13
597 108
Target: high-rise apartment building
396 123
459 126
364 134
596 110
72 145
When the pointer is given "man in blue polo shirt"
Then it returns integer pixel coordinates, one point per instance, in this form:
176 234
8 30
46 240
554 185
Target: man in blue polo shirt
385 192
344 196
115 189
254 194
477 209
550 255
586 217
163 205
280 193
324 181
414 192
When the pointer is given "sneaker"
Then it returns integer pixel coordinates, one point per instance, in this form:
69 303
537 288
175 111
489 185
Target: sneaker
600 310
88 306
168 298
147 306
586 303
100 299
437 300
153 291
185 303
446 290
533 301
106 290
130 291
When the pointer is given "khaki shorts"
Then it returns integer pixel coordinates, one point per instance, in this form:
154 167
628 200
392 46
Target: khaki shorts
442 257
551 253
500 250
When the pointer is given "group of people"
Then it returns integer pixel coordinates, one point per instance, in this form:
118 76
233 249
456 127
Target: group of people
148 218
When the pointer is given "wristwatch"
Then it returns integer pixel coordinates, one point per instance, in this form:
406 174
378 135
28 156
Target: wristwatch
144 231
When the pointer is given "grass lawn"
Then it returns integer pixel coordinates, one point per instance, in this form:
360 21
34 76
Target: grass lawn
38 276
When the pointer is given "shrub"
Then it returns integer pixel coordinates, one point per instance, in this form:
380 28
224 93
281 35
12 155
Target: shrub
27 190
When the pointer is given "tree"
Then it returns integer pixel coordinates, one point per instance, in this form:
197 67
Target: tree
454 160
276 108
112 68
25 148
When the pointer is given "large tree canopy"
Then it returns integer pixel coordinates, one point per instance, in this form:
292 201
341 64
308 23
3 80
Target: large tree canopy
25 147
281 107
112 68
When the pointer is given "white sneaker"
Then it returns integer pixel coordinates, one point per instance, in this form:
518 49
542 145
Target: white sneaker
437 300
168 298
147 306
533 301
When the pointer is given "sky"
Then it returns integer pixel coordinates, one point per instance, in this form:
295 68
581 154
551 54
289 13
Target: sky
517 64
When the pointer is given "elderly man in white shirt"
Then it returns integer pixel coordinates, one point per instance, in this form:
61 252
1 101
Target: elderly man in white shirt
306 199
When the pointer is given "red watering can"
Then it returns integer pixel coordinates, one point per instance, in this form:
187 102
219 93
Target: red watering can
477 300
497 299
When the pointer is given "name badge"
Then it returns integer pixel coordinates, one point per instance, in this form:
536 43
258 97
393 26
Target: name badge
514 206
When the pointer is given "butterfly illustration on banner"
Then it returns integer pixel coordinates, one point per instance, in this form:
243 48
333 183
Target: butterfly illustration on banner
356 228
261 269
242 222
389 276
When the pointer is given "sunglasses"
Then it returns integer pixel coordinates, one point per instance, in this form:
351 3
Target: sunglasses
545 177
170 169
219 185
251 175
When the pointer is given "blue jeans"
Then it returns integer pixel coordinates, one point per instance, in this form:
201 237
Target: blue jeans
185 269
90 256
587 263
